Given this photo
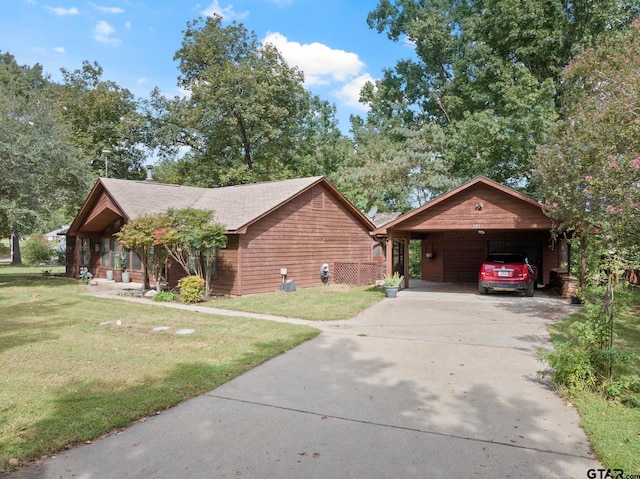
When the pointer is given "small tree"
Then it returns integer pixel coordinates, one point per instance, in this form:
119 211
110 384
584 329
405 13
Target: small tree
139 234
192 240
37 250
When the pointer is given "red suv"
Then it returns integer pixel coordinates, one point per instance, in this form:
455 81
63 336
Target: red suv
507 272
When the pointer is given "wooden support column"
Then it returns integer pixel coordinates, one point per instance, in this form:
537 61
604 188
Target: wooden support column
388 250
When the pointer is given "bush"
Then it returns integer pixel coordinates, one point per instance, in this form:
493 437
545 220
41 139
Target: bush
165 296
590 360
37 250
191 289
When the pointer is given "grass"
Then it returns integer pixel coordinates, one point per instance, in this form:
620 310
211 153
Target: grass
331 302
613 426
71 373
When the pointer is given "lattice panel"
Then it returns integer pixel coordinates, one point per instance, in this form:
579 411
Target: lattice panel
359 274
367 273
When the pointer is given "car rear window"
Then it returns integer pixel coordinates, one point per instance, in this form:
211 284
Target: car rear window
505 258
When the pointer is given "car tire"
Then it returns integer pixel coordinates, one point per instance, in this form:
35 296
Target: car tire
482 289
529 291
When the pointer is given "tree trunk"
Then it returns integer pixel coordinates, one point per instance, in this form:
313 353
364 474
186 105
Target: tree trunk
583 264
16 257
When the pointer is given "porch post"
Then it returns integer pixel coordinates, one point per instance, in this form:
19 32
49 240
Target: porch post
388 247
406 262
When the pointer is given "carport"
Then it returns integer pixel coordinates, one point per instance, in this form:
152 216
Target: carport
458 229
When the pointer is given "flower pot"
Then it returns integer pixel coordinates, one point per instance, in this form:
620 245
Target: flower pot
391 291
126 277
117 275
575 299
109 275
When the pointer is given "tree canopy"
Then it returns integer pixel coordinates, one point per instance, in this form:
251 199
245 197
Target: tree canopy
482 86
105 122
42 169
589 168
247 116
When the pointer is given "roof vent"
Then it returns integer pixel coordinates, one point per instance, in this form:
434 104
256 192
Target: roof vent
149 173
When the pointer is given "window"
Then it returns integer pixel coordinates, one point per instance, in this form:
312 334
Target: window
85 251
133 260
106 253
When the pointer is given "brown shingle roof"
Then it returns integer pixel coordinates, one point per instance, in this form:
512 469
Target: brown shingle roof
234 206
381 219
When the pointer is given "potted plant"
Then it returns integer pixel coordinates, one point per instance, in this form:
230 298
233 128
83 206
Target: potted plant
119 266
392 284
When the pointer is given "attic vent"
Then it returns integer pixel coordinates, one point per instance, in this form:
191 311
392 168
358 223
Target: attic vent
317 201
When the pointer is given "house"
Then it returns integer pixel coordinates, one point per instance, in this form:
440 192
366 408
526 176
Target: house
458 229
282 230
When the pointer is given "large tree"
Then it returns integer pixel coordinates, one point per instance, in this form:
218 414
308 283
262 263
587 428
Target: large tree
589 168
246 115
484 72
41 169
106 124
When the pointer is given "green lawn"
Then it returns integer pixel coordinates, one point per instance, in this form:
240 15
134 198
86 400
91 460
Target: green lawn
613 427
320 303
75 367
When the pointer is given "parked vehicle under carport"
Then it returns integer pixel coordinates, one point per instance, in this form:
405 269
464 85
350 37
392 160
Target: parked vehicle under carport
507 272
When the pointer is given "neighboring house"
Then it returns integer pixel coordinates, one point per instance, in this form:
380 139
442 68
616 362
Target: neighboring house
459 229
297 225
56 235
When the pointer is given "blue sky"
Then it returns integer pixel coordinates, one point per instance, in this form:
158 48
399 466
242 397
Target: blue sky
134 41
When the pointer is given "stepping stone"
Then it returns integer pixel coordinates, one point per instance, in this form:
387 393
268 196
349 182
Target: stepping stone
186 331
161 328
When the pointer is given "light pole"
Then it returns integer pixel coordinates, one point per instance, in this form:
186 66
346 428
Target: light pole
106 162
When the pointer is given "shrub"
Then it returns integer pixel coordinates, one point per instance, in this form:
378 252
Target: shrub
191 289
37 250
165 296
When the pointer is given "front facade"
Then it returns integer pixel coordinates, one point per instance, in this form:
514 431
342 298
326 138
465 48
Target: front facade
294 225
459 229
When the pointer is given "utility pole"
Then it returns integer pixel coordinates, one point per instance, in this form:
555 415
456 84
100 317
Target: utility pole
106 162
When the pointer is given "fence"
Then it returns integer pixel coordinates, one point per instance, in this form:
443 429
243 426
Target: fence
359 274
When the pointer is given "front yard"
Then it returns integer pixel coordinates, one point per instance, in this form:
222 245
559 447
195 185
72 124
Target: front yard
76 367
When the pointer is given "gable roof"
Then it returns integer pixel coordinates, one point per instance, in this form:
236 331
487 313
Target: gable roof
469 184
236 207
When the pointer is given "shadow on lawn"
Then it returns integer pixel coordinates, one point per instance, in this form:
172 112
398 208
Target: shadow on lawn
85 410
334 397
23 324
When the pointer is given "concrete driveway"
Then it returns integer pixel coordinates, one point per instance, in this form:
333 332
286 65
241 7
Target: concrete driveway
431 384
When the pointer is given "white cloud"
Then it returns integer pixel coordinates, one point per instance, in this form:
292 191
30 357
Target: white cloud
59 49
143 80
103 32
320 64
127 25
228 13
349 94
111 10
64 11
281 3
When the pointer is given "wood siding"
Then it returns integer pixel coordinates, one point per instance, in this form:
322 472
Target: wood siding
498 211
311 229
226 281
